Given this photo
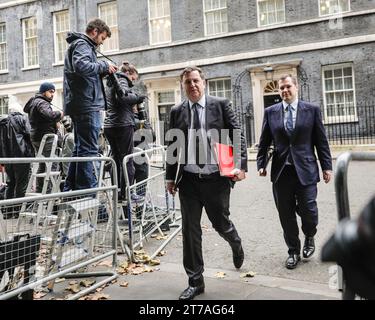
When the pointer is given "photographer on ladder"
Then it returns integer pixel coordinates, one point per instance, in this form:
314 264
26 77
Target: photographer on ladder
43 120
119 123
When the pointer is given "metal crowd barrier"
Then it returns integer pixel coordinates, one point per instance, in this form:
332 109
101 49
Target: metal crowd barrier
342 200
57 235
149 210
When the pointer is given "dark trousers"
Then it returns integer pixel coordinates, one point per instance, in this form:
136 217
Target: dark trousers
290 198
213 195
140 174
17 179
121 142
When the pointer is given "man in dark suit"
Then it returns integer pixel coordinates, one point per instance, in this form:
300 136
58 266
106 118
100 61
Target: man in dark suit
197 124
295 128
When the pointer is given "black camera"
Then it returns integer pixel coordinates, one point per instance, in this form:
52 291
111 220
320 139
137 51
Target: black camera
142 115
352 247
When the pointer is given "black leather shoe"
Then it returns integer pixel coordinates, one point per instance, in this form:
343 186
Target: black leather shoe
238 256
190 292
292 261
308 247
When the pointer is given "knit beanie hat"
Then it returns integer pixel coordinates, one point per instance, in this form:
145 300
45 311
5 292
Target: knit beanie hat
45 86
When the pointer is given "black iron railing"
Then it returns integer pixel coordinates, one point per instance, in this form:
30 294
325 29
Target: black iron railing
355 127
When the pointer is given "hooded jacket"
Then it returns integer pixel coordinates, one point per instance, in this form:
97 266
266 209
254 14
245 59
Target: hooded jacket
15 136
41 116
120 105
83 87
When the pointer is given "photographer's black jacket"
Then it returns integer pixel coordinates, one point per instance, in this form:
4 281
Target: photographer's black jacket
41 116
120 105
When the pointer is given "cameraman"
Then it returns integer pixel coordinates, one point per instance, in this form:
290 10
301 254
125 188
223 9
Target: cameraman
119 122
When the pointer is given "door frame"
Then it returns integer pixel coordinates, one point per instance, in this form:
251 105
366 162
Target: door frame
258 83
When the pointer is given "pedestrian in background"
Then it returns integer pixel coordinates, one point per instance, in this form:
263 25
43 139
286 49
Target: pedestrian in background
43 120
296 130
16 143
84 99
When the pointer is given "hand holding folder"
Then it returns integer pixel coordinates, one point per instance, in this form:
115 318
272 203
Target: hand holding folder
225 161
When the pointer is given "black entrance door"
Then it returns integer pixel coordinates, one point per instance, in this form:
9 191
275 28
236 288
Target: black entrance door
271 99
164 120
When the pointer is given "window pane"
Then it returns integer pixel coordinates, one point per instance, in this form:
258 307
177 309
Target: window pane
338 84
331 110
160 22
216 18
337 73
348 83
271 11
108 13
329 85
220 88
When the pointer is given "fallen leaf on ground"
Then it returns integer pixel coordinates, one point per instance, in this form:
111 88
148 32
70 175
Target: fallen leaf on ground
162 253
139 252
39 295
87 283
248 274
58 280
137 270
105 263
124 264
124 284
74 288
160 237
148 269
154 262
220 274
73 282
100 296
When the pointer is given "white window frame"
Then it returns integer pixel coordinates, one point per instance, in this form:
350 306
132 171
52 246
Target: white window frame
111 44
4 105
25 53
220 79
269 24
55 32
331 13
339 119
4 50
206 11
167 17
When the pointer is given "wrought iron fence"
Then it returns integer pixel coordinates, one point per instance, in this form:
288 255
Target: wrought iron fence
354 126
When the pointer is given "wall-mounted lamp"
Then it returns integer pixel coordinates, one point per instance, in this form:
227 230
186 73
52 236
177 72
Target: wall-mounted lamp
268 70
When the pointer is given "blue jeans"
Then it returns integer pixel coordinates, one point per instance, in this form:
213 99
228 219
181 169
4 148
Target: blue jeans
81 175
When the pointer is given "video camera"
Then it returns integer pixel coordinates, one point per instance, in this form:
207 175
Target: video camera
352 246
142 114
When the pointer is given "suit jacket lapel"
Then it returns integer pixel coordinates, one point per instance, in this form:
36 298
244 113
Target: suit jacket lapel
209 106
278 117
186 113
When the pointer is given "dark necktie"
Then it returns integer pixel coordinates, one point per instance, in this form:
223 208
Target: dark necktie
289 120
200 154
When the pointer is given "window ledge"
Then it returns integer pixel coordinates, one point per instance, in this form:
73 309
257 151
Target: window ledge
4 71
337 120
56 64
30 68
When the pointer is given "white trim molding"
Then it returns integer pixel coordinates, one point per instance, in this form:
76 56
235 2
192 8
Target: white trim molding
263 53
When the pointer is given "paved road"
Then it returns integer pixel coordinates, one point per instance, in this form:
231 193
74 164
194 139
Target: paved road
255 216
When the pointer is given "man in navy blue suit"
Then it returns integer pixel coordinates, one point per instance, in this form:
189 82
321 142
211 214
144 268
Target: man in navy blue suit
295 128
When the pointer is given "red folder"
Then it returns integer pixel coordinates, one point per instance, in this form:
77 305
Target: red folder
224 157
